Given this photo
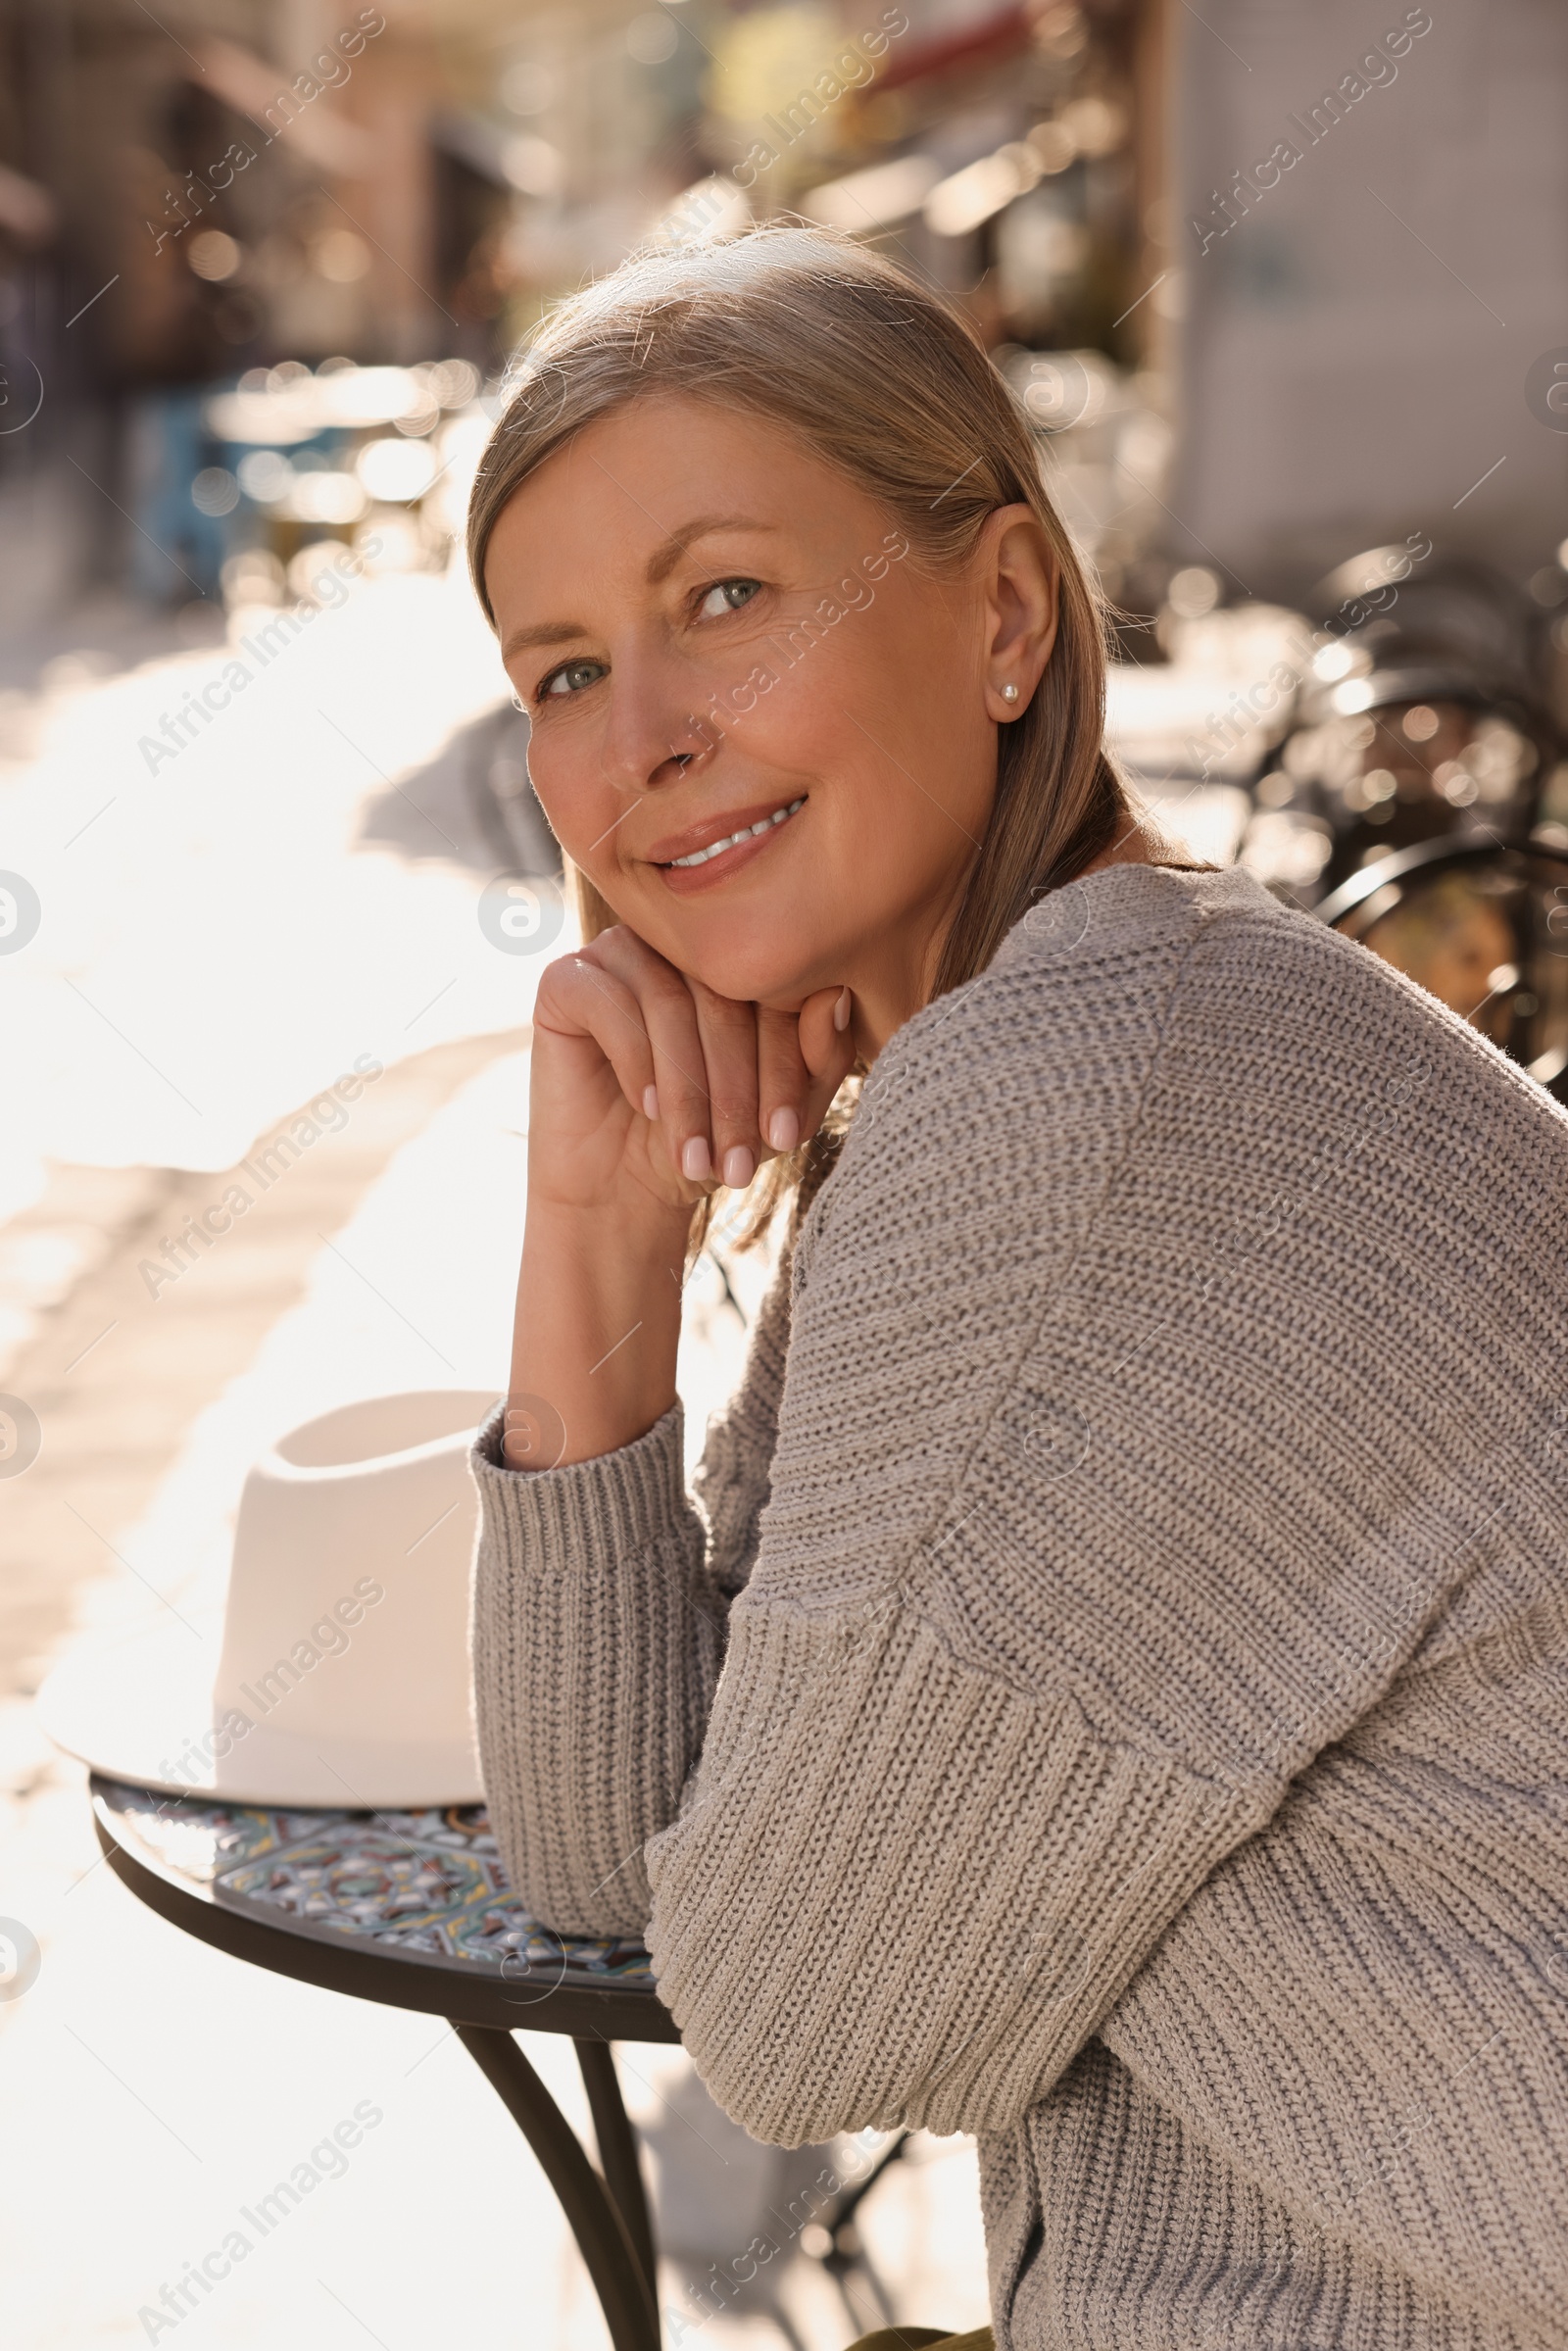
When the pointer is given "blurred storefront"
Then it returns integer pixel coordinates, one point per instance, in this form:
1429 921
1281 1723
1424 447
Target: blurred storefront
1191 239
198 211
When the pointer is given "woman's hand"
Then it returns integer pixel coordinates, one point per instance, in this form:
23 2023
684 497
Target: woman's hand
648 1091
646 1083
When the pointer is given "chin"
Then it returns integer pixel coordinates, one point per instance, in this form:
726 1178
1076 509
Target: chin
753 972
764 948
778 983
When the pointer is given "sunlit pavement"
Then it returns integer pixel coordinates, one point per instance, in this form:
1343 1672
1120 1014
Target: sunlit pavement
224 935
225 927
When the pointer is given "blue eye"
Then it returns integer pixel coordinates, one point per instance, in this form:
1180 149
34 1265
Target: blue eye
571 678
727 595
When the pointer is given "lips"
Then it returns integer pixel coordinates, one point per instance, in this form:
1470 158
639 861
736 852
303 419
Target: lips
712 853
705 842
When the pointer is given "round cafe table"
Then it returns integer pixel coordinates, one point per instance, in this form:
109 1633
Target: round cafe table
413 1909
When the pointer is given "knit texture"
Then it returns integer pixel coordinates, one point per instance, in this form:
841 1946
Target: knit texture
1113 1694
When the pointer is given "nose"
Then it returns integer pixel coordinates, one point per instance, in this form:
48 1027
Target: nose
653 736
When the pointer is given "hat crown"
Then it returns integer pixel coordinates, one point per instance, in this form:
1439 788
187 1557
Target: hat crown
347 1615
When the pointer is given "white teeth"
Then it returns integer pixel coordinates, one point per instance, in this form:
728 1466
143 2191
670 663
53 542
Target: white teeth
748 832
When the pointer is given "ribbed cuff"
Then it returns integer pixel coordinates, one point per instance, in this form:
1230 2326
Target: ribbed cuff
602 1509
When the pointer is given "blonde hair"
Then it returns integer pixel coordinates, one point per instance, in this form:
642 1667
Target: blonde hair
881 378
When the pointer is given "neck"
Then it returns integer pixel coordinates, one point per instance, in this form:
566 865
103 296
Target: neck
891 987
895 977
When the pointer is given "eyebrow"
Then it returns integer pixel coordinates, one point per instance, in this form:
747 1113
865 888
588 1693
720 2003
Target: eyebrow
660 567
662 564
549 632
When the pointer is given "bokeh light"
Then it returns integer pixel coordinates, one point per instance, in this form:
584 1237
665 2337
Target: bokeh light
396 470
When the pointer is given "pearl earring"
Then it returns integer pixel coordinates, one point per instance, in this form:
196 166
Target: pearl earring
1009 693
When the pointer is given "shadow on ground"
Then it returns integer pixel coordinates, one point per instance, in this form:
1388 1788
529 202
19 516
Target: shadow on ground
472 802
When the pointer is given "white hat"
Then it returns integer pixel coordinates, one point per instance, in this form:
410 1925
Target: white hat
338 1674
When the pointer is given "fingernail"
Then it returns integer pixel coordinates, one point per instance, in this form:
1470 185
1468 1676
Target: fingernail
842 1010
695 1164
739 1168
783 1131
649 1101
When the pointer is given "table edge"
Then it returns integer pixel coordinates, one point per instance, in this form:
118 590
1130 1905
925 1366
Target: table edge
585 2012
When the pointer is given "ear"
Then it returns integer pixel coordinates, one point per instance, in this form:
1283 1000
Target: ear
1020 578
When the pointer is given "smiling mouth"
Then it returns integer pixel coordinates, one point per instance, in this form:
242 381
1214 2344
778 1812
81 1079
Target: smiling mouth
748 832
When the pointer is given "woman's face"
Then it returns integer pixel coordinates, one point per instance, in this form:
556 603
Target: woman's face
730 654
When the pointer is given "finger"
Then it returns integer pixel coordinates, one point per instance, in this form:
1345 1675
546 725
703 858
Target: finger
580 1000
827 1032
680 1086
783 1079
728 1033
827 1050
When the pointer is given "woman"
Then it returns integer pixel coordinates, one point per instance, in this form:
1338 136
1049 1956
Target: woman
1109 1695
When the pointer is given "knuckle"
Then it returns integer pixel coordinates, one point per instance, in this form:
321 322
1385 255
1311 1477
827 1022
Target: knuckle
725 1015
733 1109
570 989
785 1073
665 987
688 1101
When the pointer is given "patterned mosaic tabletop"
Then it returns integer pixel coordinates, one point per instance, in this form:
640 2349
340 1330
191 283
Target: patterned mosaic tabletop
429 1884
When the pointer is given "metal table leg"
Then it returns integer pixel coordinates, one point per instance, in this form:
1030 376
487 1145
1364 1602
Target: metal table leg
846 2250
613 2261
617 2149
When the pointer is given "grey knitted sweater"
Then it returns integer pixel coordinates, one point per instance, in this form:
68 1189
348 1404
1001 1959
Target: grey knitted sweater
1111 1692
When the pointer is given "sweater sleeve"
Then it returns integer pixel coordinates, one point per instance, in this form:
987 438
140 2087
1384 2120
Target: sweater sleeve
600 1602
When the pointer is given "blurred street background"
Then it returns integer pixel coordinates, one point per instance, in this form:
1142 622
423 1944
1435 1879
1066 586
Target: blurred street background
1281 287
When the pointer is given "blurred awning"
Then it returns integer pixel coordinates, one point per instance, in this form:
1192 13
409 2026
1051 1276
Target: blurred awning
1000 35
251 87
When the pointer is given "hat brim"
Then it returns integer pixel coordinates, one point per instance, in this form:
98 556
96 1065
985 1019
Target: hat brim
142 1712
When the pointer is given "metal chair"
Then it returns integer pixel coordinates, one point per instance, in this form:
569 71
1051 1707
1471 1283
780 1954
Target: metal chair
1484 926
